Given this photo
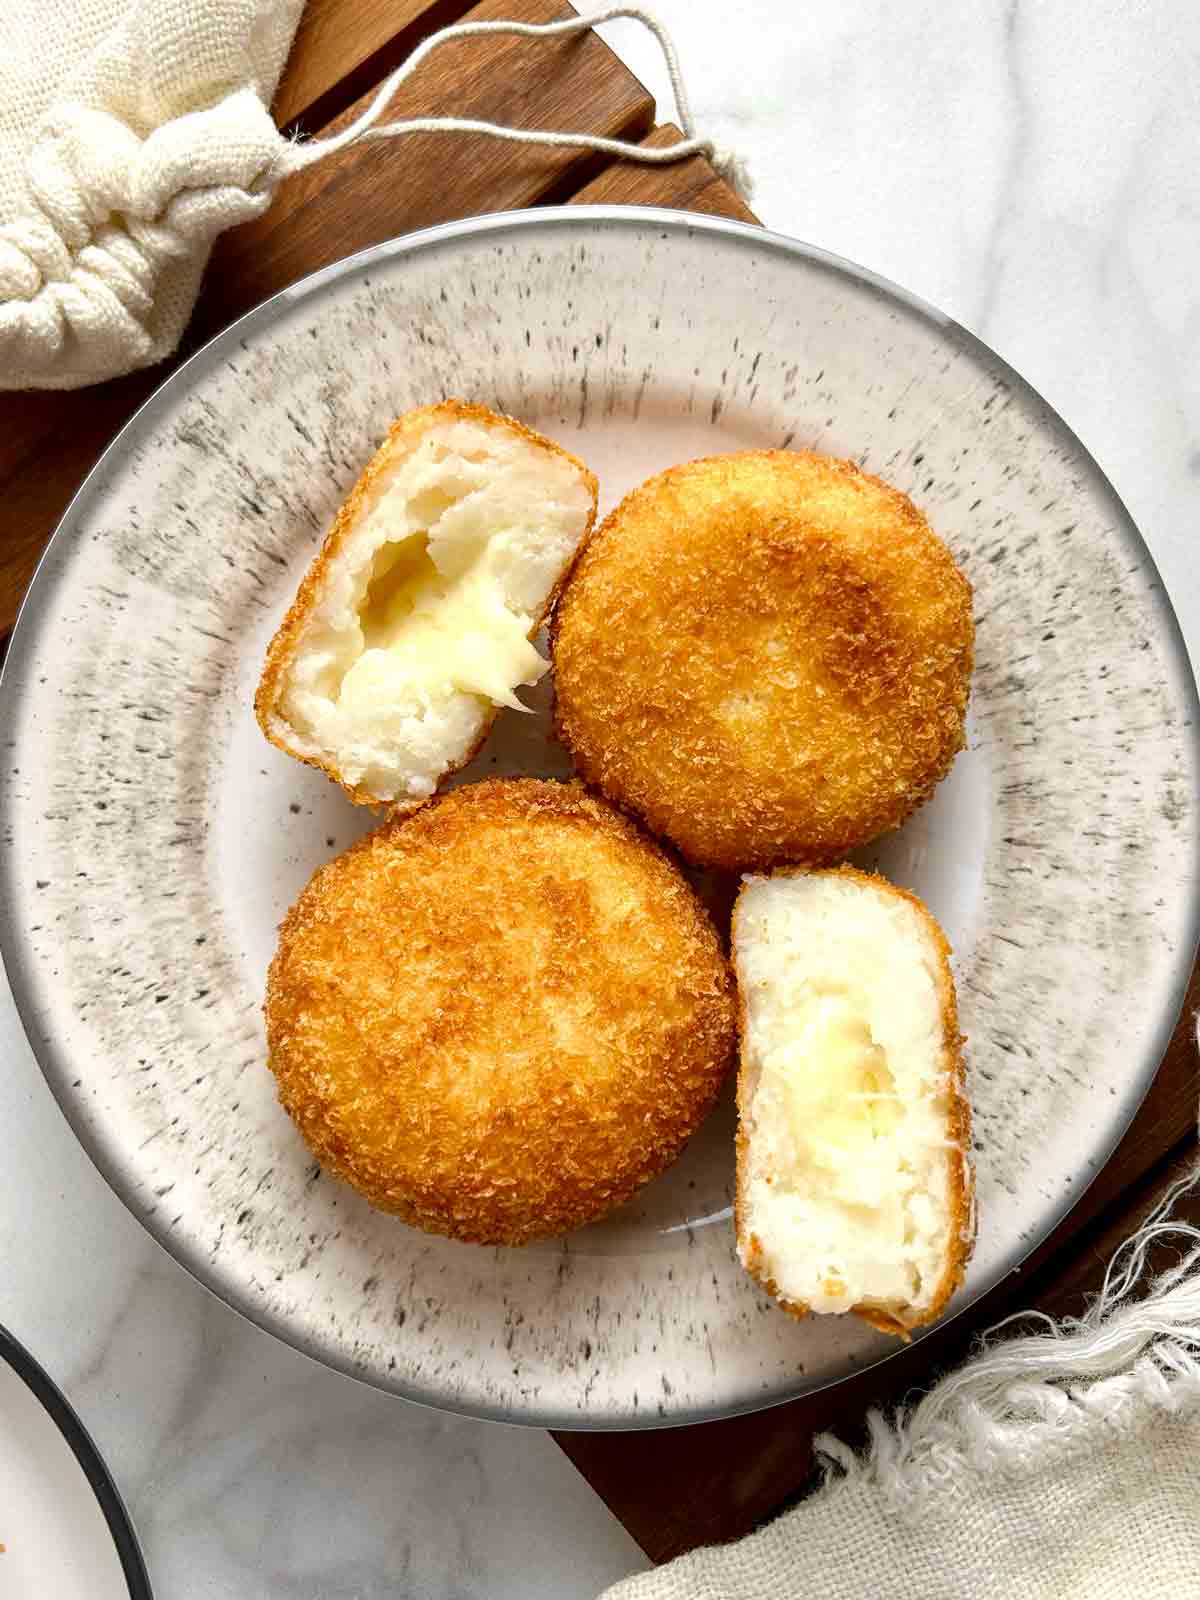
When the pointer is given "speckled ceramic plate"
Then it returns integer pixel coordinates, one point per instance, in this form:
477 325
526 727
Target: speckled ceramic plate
155 840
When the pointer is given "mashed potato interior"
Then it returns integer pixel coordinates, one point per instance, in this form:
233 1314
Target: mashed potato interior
847 1187
424 622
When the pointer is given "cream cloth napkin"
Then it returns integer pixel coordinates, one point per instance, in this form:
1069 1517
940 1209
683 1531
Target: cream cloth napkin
1057 1465
133 132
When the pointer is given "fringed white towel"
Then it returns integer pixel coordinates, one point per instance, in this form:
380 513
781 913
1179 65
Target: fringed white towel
133 132
1057 1465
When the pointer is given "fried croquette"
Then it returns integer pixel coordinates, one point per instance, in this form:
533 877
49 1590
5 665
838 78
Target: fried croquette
501 1016
416 620
766 656
854 1181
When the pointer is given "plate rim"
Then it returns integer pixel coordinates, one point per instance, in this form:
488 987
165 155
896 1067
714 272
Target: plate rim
87 1453
25 636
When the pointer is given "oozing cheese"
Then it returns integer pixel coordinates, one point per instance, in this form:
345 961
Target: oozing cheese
428 635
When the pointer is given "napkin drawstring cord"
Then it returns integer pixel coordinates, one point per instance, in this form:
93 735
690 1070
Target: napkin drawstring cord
727 163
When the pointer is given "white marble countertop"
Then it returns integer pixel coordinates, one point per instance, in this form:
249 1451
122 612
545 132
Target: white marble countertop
1030 168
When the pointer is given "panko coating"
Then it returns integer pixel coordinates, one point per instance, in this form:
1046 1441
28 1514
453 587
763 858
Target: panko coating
766 656
501 1016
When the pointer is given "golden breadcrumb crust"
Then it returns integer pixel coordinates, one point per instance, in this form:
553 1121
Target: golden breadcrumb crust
958 1135
766 656
501 1016
405 434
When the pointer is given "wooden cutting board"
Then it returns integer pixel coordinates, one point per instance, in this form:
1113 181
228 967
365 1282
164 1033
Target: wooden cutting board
678 1487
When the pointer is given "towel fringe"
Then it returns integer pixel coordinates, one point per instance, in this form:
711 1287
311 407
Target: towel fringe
1048 1394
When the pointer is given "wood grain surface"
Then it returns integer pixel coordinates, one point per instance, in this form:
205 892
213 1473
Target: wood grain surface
340 51
681 1487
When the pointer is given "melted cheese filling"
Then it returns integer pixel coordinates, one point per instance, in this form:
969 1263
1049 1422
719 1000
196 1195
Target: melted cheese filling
427 633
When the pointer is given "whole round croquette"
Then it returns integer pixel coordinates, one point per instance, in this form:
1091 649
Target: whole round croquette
500 1016
766 656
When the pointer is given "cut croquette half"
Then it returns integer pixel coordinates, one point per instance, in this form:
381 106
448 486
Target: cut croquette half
415 622
854 1182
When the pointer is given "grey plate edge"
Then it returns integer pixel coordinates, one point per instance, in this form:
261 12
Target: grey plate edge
25 636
